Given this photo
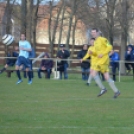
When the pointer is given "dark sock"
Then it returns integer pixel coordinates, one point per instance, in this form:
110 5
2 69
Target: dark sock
18 74
114 78
32 74
29 75
25 74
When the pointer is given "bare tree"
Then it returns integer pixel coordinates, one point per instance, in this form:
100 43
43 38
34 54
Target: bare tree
110 11
124 23
53 23
73 11
23 16
61 24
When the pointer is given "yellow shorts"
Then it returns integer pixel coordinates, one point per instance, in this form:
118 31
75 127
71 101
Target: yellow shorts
101 68
92 67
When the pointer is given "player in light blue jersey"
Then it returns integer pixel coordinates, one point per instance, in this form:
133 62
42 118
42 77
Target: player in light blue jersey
24 49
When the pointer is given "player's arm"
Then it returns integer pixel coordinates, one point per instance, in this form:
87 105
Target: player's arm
107 50
86 56
108 47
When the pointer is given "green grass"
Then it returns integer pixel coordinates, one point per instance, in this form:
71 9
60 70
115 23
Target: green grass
64 107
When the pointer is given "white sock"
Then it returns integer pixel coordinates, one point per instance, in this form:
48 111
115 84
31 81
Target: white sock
90 78
112 85
98 81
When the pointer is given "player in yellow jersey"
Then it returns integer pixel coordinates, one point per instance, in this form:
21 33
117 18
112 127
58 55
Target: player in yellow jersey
92 60
101 52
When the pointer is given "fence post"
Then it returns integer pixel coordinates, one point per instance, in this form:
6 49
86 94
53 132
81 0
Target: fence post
119 71
56 68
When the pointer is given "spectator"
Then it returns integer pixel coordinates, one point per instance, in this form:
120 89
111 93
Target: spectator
63 54
129 57
46 65
114 62
11 62
85 65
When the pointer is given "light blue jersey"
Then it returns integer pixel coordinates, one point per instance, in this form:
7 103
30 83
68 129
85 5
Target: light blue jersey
24 44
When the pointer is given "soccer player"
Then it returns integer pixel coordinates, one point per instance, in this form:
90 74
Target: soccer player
24 49
101 52
92 60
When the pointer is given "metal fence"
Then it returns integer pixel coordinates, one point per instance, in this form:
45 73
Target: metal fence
76 69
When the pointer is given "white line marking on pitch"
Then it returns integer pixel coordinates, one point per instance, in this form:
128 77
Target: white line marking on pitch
89 99
65 127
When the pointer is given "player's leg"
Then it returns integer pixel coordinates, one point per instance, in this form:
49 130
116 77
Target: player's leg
111 84
29 75
98 82
90 77
18 74
17 68
27 64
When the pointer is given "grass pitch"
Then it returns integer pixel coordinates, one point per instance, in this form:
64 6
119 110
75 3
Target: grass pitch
64 107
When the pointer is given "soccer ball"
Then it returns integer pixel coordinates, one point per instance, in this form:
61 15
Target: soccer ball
7 39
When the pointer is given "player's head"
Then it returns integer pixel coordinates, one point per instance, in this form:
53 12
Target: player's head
22 36
92 41
94 32
85 47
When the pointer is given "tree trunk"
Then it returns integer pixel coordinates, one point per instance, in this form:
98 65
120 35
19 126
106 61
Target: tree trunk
34 20
52 29
73 37
61 25
123 49
49 28
124 25
29 12
70 22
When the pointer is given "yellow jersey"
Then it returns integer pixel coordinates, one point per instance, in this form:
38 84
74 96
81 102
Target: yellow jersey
102 46
93 58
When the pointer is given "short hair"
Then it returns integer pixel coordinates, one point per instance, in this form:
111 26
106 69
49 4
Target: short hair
96 29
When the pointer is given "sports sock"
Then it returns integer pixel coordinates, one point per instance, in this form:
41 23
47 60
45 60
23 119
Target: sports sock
90 78
25 74
112 85
98 81
29 75
18 74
